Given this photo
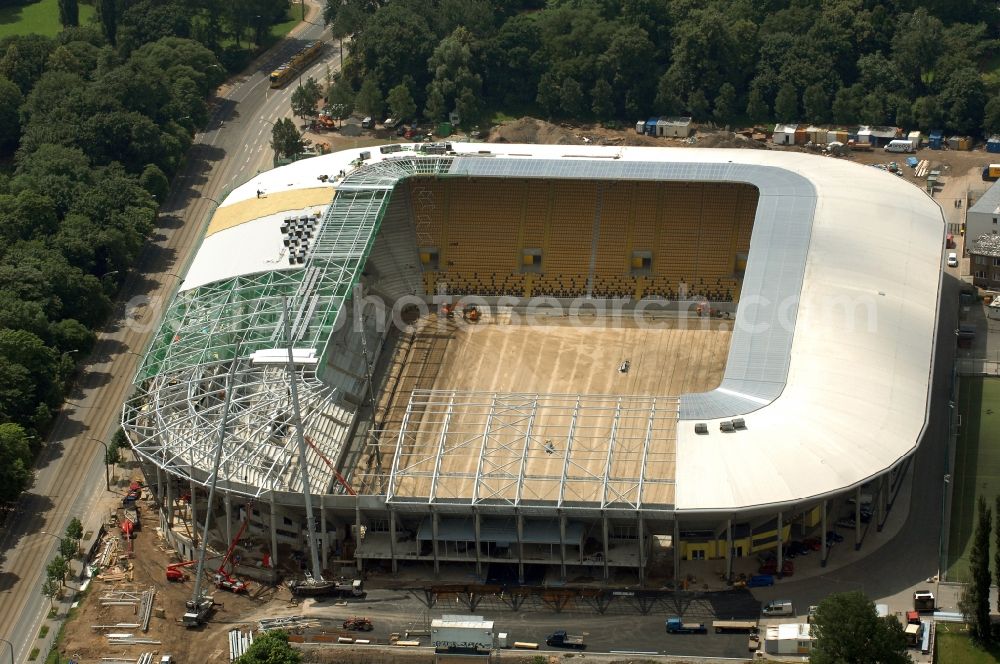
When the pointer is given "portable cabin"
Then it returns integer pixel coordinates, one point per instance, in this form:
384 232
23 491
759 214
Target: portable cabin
784 134
993 144
935 140
916 138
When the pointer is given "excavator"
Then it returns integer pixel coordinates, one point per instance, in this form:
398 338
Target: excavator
174 572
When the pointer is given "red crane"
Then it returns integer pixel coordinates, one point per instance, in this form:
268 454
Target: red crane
340 478
223 580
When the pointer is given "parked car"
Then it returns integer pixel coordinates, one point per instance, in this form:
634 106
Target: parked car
771 567
815 543
952 259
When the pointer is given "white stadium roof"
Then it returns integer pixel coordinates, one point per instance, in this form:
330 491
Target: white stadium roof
831 359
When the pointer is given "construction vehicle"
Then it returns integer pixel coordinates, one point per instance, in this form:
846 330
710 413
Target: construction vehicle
721 626
923 600
222 578
358 624
174 572
560 639
678 626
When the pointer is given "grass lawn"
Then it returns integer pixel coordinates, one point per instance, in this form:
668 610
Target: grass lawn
977 466
952 645
41 17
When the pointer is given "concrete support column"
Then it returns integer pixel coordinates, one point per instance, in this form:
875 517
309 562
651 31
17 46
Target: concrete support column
607 543
325 551
781 546
159 485
857 518
477 524
392 541
358 560
642 550
676 544
729 549
274 535
170 502
520 548
562 547
824 549
194 517
434 543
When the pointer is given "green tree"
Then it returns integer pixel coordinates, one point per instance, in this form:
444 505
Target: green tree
454 75
341 97
57 569
51 588
15 462
548 93
816 104
991 116
305 97
846 628
75 529
107 14
697 104
786 103
369 100
757 108
271 648
725 104
286 141
667 100
602 103
975 601
155 182
571 97
401 104
10 121
846 106
69 13
68 548
927 112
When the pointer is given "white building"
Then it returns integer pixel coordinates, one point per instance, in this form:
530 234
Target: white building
788 639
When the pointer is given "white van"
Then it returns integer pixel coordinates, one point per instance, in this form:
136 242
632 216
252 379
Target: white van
899 145
778 607
952 259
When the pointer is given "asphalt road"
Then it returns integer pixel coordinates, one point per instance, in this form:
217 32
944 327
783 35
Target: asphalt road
70 473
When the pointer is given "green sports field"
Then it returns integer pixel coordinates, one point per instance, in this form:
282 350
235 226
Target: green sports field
41 17
977 466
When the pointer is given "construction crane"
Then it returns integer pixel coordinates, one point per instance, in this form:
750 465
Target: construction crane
223 580
200 604
333 469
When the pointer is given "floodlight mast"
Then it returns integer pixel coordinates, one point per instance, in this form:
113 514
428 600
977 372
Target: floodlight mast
301 439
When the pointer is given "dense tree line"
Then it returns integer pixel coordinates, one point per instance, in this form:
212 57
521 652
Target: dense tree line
920 63
93 123
92 134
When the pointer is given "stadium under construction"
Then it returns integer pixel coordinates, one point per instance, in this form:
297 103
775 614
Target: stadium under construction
534 362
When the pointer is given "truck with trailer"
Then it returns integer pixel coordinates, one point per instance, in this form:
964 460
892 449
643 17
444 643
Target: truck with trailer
721 626
562 639
462 633
991 172
677 626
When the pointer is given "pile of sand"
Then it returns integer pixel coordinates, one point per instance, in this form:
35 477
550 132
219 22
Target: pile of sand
530 130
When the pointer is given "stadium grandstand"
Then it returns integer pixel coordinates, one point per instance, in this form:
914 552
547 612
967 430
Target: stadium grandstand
534 361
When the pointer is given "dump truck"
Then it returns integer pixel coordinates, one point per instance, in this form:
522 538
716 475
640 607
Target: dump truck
678 626
560 639
721 626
